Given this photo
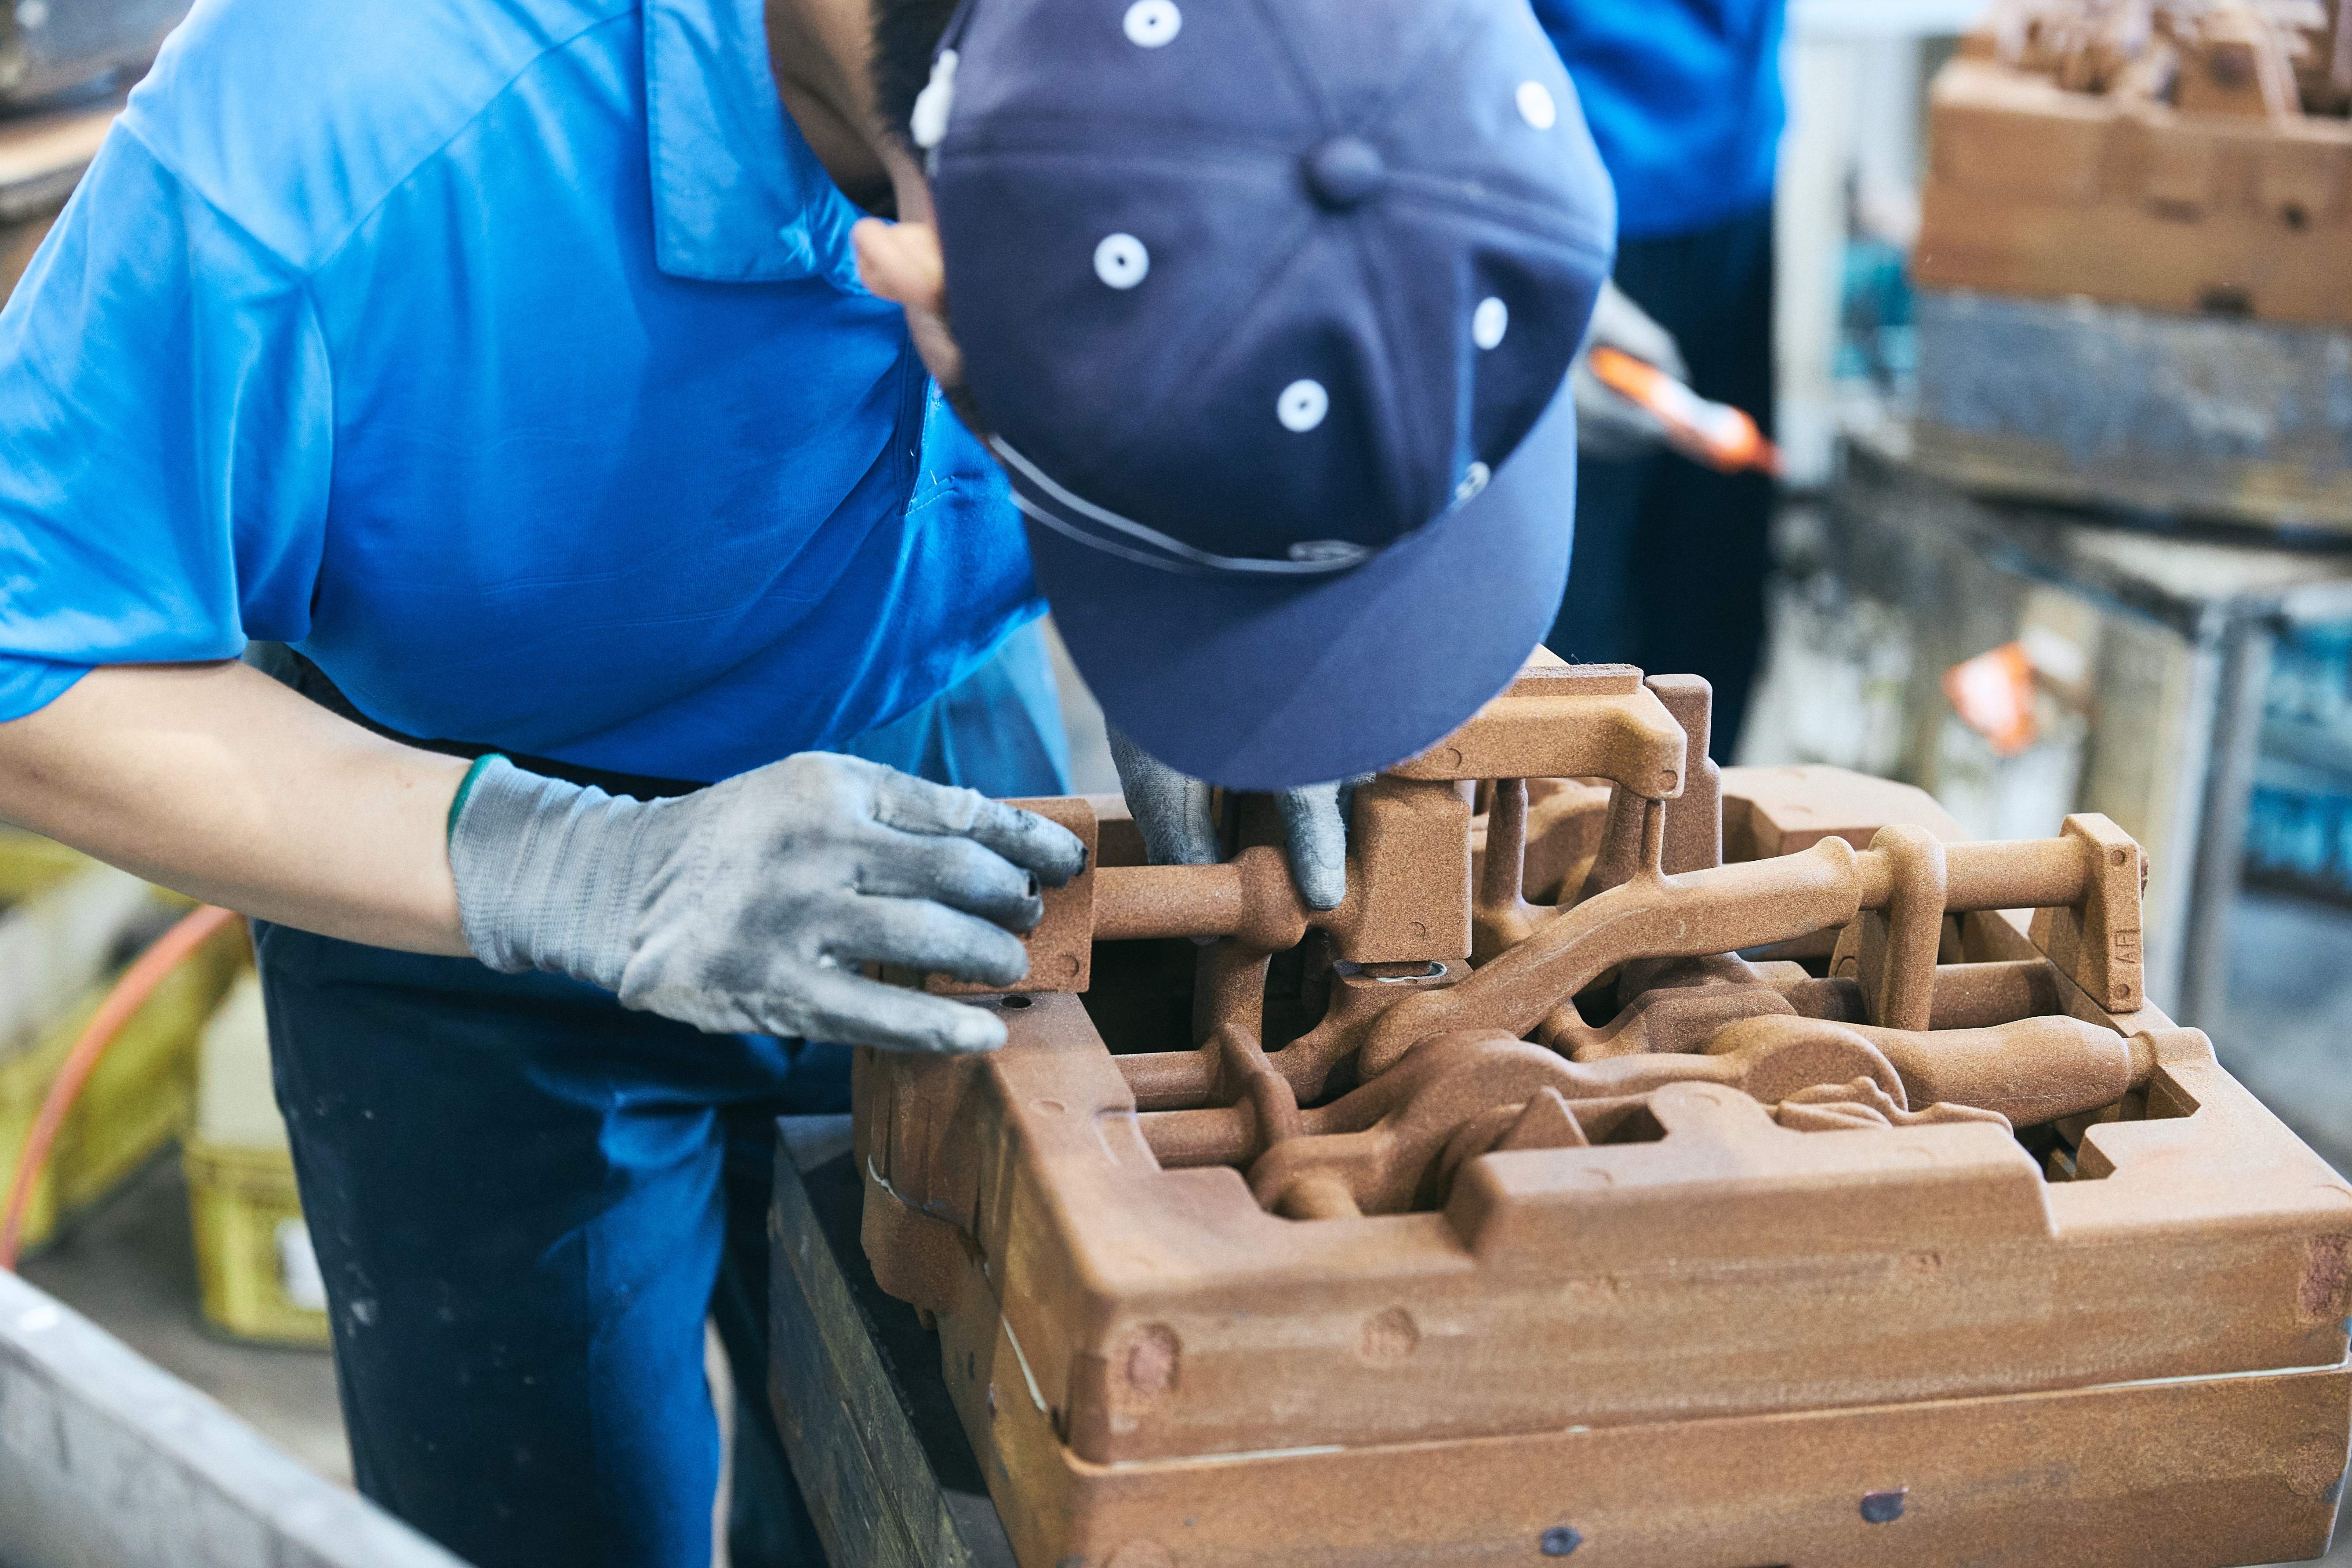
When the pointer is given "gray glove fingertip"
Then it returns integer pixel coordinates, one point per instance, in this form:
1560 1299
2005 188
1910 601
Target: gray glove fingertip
943 1027
1030 841
1172 810
1316 837
853 1010
1034 843
1320 885
974 1029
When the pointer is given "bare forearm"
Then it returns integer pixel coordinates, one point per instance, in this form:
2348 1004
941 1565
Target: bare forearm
215 779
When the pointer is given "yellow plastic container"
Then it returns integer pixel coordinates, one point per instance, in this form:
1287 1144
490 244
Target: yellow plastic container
140 1098
258 1277
31 864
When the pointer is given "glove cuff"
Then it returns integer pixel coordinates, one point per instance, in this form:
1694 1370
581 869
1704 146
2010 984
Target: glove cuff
546 872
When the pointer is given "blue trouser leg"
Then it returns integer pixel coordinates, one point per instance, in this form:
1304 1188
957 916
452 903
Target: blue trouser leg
526 1200
1669 561
520 1197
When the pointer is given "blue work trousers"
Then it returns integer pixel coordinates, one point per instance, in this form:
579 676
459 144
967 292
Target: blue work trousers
526 1200
1670 557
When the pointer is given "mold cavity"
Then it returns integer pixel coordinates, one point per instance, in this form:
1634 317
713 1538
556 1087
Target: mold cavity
1629 1124
1391 973
2059 1147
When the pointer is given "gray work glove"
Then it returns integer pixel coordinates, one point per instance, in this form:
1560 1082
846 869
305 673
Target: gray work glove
748 906
1608 426
1173 811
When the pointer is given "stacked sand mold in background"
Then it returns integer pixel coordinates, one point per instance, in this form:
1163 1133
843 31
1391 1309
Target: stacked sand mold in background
69 926
2133 260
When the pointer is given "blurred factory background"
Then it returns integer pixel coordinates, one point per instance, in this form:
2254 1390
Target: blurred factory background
2065 375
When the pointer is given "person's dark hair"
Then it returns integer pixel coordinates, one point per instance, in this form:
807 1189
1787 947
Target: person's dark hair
906 36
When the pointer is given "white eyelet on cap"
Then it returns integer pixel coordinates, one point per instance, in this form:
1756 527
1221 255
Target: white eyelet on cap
1120 260
1474 479
1489 322
928 124
1151 23
1535 105
1302 405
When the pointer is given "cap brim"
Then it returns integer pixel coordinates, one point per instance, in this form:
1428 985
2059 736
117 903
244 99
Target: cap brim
1272 684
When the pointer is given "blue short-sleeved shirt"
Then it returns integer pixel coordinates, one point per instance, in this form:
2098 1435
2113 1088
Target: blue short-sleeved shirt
507 358
1684 101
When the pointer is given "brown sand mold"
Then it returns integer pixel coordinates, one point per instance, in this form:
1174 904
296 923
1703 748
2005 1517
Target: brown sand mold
2185 1475
1897 907
1753 1191
1198 1268
2189 158
1180 1250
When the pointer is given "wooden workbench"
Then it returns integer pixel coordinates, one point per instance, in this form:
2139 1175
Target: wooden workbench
854 1378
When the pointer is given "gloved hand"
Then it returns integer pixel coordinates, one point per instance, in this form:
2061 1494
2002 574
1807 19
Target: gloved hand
748 906
1173 811
1610 426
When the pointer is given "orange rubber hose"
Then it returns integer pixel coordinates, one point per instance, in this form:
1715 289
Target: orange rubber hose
173 948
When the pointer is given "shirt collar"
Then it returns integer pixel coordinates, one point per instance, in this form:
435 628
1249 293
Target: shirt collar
738 195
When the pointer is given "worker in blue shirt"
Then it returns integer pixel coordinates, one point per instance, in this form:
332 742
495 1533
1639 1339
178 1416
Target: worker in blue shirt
535 379
1684 97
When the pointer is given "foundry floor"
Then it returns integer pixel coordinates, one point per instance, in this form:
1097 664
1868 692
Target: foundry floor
2288 1036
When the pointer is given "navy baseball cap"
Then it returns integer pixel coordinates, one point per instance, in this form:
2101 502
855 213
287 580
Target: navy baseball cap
1267 307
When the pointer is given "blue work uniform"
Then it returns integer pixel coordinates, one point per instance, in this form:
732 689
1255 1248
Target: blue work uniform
1684 101
507 359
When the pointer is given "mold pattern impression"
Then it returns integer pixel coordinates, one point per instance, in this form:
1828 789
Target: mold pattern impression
1646 1163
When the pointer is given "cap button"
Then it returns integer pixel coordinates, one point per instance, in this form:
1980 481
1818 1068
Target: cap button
1345 171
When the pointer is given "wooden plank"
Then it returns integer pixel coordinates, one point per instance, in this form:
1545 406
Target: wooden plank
854 1380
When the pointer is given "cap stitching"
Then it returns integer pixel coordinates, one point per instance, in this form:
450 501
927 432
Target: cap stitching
1426 190
1402 417
1423 73
1326 112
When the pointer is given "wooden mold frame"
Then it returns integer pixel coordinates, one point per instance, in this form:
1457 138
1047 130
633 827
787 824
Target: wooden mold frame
1549 1227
